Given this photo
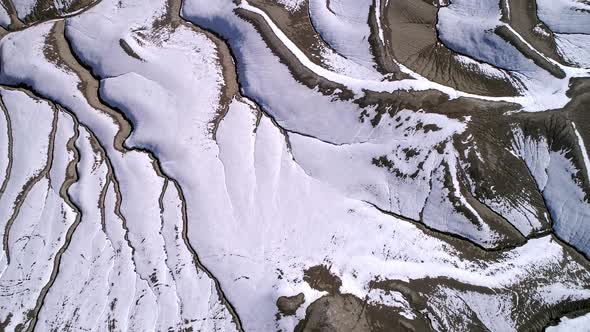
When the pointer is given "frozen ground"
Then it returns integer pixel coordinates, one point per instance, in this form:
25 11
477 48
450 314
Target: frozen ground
205 165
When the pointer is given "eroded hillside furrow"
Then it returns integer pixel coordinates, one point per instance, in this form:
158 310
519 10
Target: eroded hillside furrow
71 177
9 147
112 179
459 52
300 71
43 173
522 17
385 62
91 86
508 34
179 304
545 206
460 241
413 38
230 307
231 75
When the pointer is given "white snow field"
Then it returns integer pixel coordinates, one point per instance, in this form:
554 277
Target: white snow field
171 165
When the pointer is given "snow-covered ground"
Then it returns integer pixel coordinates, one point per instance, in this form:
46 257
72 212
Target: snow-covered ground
221 198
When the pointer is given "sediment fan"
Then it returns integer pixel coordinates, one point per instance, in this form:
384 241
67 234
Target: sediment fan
262 165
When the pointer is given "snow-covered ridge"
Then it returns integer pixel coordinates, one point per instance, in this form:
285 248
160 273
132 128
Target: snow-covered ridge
153 180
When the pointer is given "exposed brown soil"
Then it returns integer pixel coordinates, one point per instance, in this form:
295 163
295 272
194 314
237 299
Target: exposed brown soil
320 278
128 50
15 22
288 305
298 70
346 312
46 10
296 25
523 48
523 19
383 58
410 30
532 315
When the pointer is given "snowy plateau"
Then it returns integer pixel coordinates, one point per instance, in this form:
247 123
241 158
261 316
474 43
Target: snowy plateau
295 165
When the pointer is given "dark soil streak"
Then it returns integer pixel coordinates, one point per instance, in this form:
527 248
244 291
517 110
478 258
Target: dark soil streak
10 147
127 49
101 205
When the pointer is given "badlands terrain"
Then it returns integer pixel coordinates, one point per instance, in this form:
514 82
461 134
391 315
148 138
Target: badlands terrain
295 165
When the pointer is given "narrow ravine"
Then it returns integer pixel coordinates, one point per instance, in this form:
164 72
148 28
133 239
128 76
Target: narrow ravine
9 144
71 178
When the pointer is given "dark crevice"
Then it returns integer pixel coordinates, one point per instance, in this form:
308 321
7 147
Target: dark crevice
198 263
162 221
467 188
460 239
